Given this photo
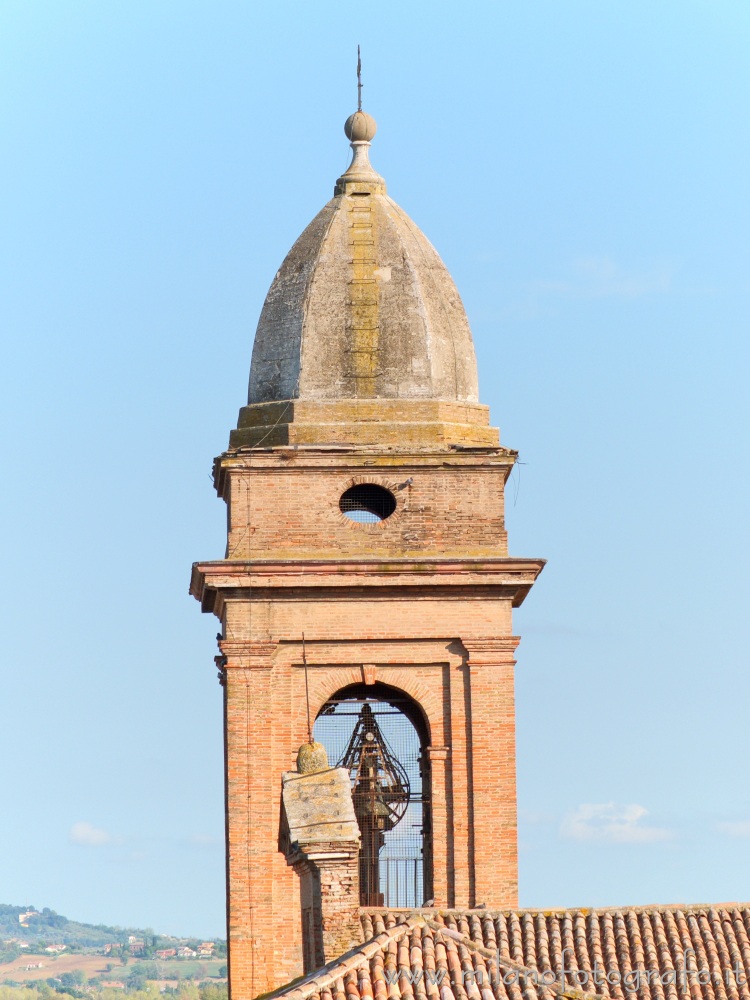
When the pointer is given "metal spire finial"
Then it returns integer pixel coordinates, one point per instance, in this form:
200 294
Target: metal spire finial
359 80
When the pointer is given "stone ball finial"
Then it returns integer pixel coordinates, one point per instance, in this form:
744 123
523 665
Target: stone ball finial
312 757
360 127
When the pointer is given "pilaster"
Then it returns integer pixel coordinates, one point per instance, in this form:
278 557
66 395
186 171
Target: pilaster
460 867
441 849
493 737
248 727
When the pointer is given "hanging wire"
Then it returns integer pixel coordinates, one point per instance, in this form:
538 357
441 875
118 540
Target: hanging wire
307 690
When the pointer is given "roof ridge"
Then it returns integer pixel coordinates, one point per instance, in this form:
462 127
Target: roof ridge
352 959
715 935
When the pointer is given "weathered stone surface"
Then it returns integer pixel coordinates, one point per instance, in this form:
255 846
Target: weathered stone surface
319 807
312 757
322 845
393 423
363 307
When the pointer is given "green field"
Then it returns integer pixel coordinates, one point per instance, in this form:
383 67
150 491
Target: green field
180 968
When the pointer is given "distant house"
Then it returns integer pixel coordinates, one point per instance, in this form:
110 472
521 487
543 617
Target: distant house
206 948
186 952
17 942
136 946
23 917
166 953
55 949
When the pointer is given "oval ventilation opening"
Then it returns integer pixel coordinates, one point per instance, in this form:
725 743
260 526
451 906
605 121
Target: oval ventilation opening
367 503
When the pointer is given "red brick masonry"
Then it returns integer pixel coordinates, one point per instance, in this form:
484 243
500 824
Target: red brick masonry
421 602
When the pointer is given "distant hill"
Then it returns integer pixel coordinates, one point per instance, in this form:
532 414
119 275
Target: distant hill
53 928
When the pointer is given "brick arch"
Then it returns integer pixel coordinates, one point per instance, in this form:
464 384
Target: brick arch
325 683
429 702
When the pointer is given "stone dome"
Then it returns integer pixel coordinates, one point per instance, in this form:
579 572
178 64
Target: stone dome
362 307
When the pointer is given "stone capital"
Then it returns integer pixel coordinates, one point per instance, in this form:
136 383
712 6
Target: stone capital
489 651
323 855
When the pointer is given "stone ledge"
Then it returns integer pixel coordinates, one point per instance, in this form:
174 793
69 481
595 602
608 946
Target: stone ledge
502 576
406 423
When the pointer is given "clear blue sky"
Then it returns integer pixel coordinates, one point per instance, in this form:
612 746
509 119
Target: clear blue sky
582 168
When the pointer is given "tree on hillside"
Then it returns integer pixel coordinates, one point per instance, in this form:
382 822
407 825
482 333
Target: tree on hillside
74 978
213 991
17 992
137 978
8 952
50 918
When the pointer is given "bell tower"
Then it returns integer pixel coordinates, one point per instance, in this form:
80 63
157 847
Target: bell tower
364 487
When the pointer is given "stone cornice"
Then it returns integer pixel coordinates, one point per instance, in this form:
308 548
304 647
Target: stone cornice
512 577
294 459
246 653
491 650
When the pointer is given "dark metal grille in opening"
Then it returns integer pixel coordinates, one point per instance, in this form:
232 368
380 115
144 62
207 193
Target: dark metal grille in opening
382 751
367 503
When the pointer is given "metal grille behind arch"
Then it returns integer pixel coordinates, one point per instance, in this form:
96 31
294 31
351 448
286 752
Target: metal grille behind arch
368 731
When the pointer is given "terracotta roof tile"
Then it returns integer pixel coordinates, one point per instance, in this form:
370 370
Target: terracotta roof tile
638 954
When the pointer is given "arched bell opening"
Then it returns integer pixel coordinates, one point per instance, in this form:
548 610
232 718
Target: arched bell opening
380 736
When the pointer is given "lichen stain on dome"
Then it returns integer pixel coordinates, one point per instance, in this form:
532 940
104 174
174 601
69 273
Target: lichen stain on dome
362 308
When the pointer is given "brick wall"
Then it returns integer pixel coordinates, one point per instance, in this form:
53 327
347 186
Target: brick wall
287 507
447 646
